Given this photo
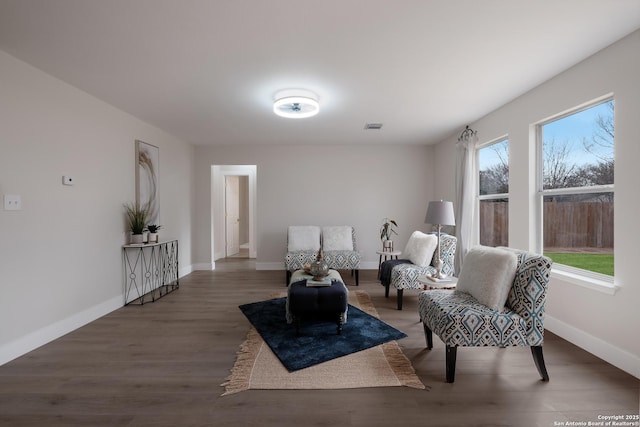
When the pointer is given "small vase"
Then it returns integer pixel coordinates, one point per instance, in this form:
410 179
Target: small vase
319 268
387 245
136 239
153 237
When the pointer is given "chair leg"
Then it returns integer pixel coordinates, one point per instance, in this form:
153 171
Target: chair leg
428 335
386 291
288 277
451 363
357 272
538 358
400 291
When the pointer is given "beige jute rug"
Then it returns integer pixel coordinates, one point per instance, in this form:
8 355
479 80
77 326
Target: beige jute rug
257 368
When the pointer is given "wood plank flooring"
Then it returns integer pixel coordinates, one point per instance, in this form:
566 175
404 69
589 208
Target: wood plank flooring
161 364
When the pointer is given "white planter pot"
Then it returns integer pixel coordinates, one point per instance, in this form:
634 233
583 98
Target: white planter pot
153 237
136 239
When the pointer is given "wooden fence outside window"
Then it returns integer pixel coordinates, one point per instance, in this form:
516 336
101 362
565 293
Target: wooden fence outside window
568 225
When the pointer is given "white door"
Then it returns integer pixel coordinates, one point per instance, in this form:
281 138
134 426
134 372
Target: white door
232 203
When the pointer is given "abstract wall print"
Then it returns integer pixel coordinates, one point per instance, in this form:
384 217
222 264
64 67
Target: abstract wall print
147 178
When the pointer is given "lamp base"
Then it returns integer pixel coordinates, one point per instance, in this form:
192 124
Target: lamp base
439 274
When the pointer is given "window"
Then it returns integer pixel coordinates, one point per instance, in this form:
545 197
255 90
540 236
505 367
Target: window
577 190
493 193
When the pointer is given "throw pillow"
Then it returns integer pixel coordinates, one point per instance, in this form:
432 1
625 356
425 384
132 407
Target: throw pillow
303 238
420 248
487 274
337 238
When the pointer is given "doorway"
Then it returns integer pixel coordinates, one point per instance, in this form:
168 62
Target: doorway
233 212
237 216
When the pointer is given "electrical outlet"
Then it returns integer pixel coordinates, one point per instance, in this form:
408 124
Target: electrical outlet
12 202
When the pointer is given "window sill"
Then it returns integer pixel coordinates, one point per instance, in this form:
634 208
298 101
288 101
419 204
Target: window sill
592 283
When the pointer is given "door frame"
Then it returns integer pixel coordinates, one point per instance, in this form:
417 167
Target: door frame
232 230
218 208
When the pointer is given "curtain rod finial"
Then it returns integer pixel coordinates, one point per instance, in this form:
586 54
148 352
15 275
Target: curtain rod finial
467 134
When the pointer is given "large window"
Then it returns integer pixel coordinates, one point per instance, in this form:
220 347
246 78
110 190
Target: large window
577 189
493 193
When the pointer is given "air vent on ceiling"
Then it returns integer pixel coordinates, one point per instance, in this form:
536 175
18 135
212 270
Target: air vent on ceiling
373 126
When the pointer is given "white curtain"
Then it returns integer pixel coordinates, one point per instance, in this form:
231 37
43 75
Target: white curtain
466 176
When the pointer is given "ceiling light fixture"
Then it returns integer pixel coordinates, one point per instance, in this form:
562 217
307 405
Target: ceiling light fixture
296 104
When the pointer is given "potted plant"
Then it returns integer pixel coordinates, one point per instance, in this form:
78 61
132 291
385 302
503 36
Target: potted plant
137 218
153 232
388 228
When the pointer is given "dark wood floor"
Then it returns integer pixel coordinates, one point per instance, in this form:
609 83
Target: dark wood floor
162 364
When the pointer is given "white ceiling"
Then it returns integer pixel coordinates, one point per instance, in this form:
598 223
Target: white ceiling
206 71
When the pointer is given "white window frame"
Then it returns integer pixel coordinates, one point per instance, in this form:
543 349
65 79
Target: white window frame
585 278
480 197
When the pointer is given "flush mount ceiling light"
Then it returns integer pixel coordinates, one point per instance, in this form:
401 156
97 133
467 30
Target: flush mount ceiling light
296 104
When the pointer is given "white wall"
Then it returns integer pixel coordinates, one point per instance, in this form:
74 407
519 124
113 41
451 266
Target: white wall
61 256
606 325
323 185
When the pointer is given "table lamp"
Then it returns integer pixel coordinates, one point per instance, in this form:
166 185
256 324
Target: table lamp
440 213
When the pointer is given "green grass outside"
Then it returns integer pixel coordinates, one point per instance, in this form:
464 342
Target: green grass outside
600 263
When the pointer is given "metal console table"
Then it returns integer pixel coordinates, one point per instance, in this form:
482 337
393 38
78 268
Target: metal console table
150 271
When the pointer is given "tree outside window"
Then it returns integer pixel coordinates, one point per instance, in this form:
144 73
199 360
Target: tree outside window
493 193
578 189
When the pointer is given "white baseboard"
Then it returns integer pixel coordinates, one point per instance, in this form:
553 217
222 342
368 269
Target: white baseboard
618 357
29 342
185 270
204 266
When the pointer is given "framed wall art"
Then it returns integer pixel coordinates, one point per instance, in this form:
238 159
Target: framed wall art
147 179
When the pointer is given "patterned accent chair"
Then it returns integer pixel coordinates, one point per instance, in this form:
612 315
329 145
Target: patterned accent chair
403 274
459 319
338 246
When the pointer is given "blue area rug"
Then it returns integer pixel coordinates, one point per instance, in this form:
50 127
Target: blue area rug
318 341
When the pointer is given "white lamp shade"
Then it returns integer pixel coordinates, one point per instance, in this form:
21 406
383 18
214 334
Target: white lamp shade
440 213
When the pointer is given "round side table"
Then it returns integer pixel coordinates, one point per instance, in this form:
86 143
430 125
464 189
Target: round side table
429 283
386 254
